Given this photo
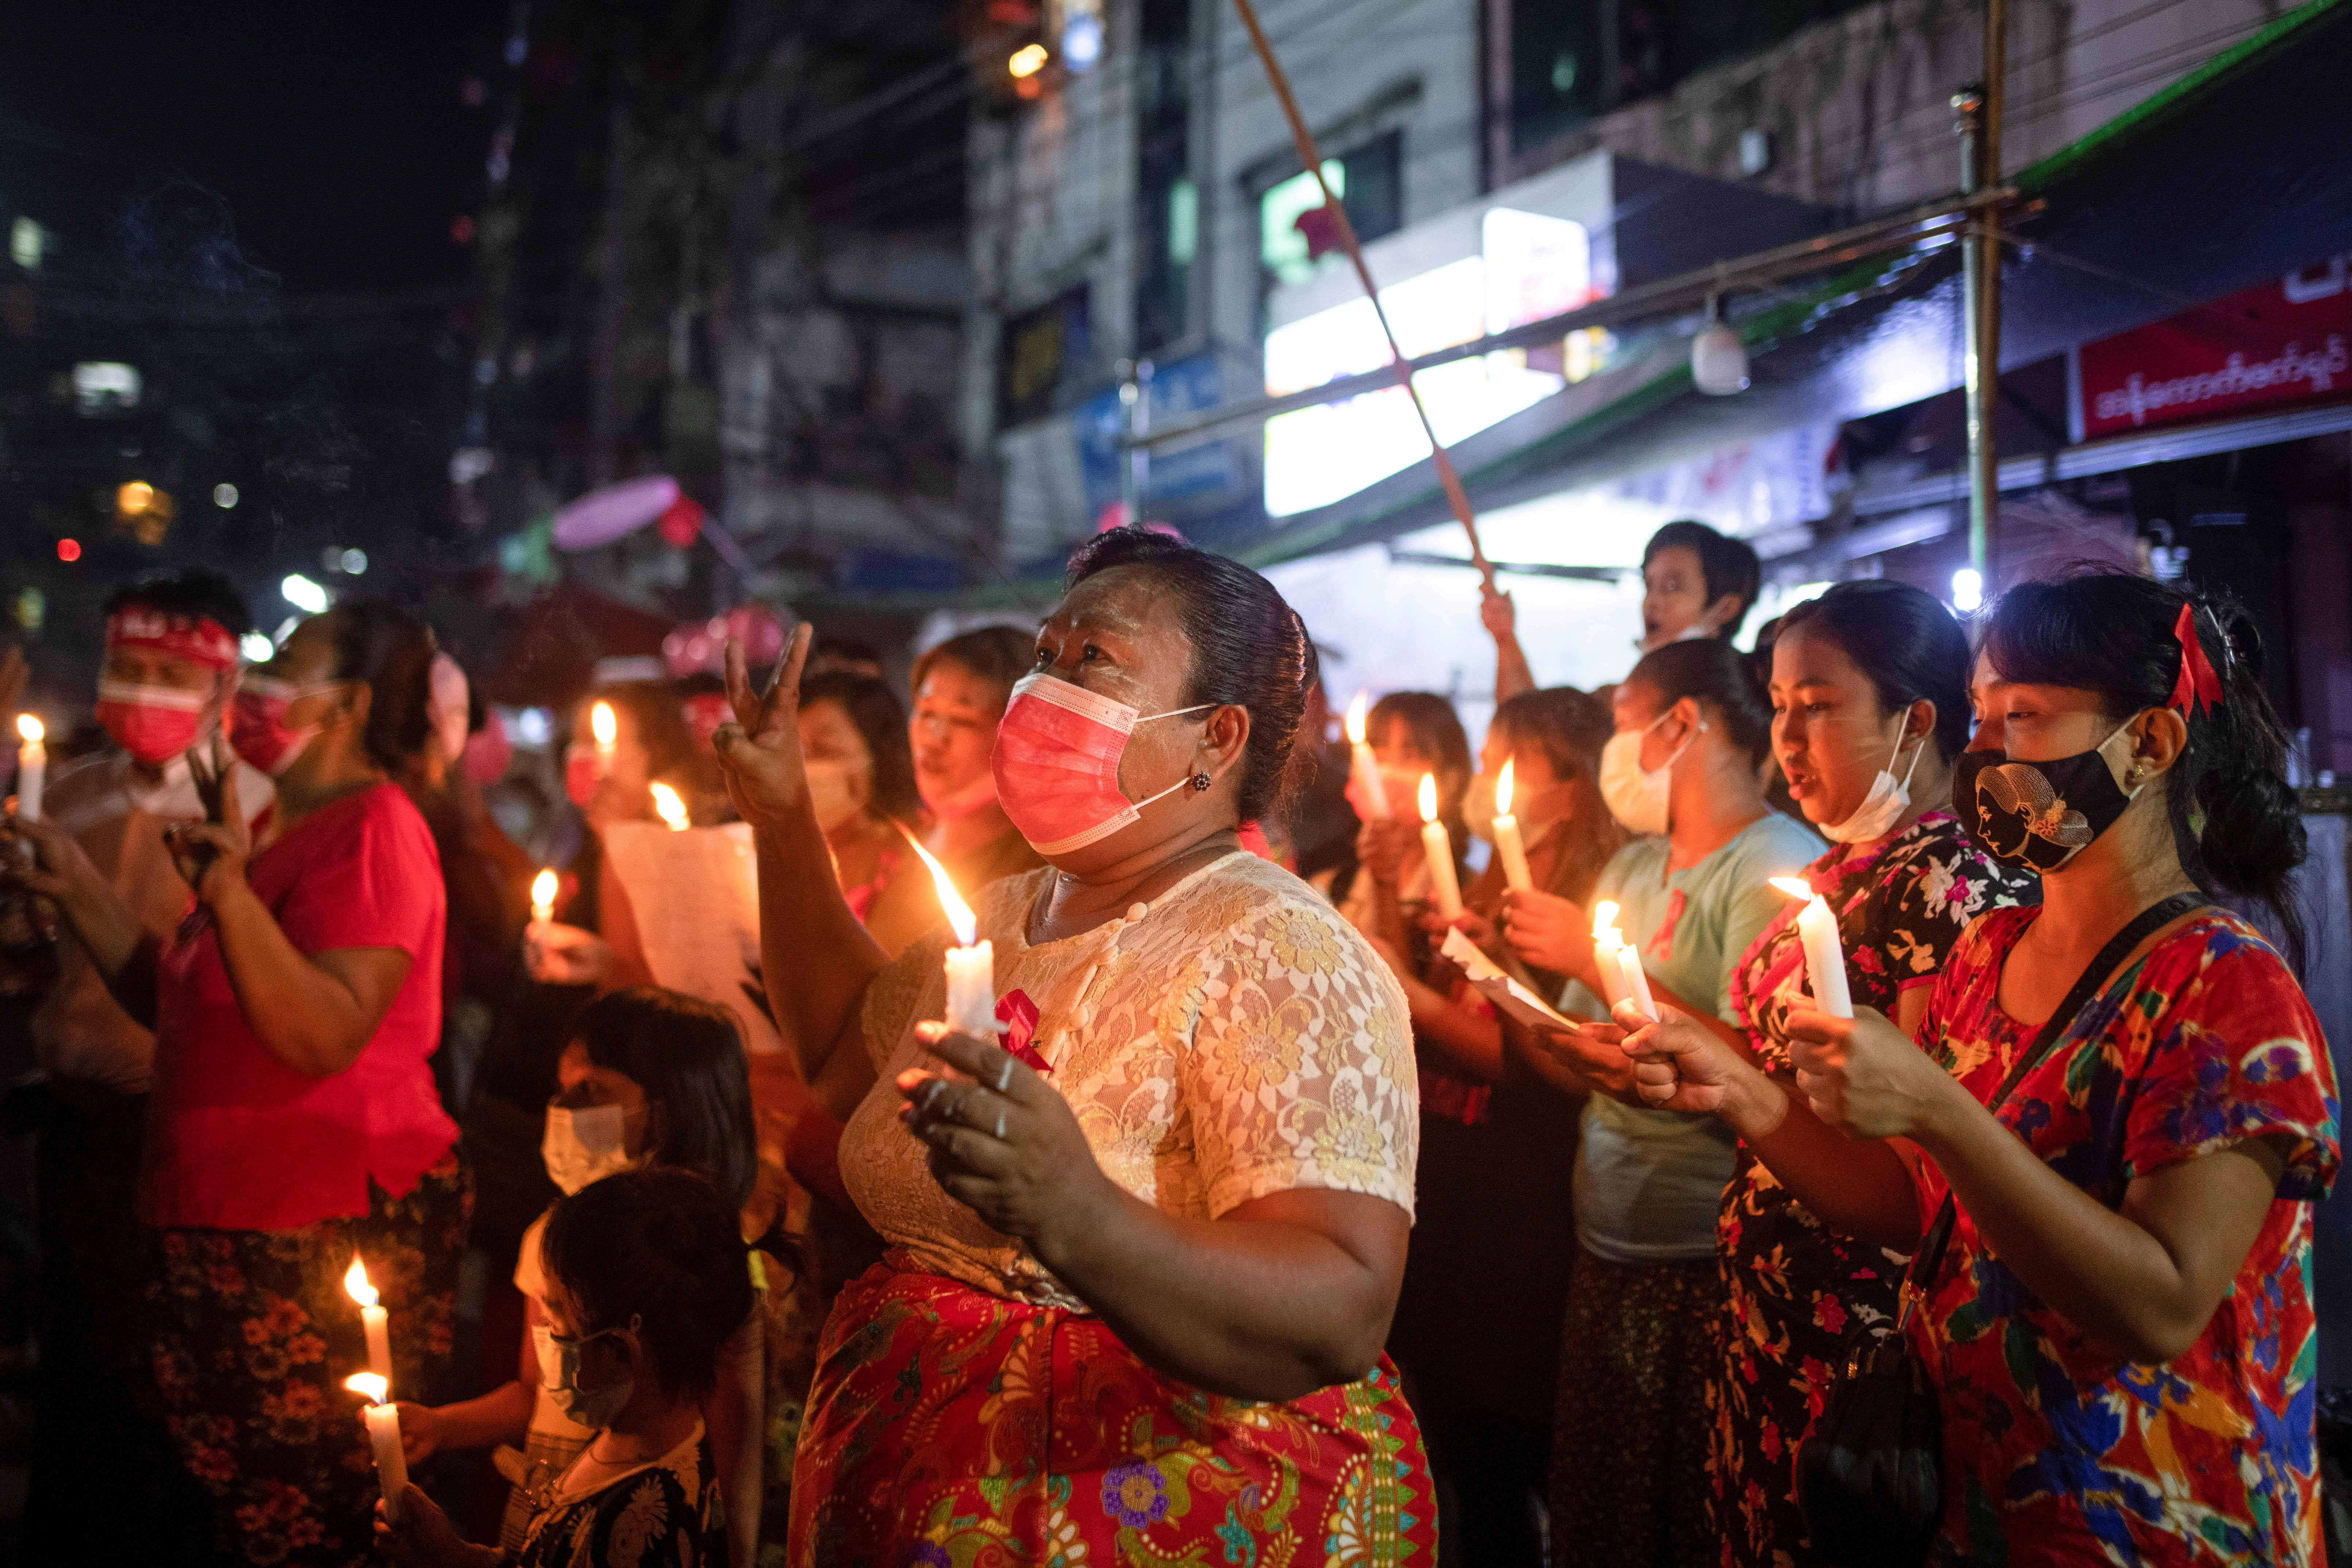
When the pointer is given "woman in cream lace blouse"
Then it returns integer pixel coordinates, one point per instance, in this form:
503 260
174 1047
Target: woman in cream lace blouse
1146 1244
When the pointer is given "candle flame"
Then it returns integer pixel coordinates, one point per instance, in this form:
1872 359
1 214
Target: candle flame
1356 719
1795 887
542 894
959 916
369 1383
355 1280
601 721
29 728
1604 918
1428 797
671 809
1503 789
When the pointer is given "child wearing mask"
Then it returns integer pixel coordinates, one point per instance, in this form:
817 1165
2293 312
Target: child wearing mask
644 1292
650 1078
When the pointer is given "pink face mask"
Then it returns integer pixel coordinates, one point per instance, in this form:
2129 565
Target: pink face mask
258 731
1056 764
153 723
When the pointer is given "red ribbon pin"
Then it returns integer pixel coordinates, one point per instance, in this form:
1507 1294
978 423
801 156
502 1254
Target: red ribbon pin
2197 684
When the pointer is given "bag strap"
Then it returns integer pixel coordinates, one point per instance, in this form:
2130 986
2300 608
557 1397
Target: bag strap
1930 1256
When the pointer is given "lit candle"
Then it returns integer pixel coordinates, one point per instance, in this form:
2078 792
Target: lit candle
971 963
600 720
1437 846
1367 768
1824 954
671 809
1507 836
383 1437
1637 985
543 899
372 1320
1606 944
32 767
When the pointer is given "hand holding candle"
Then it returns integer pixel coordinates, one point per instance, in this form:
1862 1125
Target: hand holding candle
383 1437
373 1321
1508 843
1437 845
1364 768
32 767
543 899
971 965
1636 984
1824 954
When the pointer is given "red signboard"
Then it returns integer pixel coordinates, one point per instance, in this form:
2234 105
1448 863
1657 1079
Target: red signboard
2283 342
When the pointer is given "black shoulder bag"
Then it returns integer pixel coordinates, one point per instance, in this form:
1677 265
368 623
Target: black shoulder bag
1870 1477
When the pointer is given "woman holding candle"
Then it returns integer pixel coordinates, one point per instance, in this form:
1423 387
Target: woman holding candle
861 772
1144 1255
645 1292
1410 736
1868 687
1629 1455
293 1123
2119 1328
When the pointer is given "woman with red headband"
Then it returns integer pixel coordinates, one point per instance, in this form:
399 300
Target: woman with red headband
1144 1251
2123 1103
294 1123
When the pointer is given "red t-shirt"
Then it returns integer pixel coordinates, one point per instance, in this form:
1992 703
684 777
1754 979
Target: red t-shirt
236 1140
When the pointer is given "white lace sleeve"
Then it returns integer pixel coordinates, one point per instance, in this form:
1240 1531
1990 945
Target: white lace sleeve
1301 1071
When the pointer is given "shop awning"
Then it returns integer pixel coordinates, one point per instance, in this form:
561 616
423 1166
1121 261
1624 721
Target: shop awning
2230 176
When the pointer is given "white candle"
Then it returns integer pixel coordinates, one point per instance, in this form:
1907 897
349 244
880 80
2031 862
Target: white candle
383 1437
1606 943
32 767
373 1321
1366 769
1437 846
1824 954
1507 836
600 720
543 899
971 963
1637 985
670 809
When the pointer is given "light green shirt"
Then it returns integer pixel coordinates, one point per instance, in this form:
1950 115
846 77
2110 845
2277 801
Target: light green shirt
1648 1181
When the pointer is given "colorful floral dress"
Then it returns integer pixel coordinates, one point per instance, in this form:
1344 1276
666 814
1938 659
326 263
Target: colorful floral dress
1232 1039
2055 1448
666 1514
1797 1288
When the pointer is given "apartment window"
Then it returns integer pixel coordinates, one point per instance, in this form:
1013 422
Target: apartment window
1166 213
1369 181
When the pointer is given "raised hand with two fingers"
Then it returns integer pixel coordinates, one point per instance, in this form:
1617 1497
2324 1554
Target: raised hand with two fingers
760 749
211 855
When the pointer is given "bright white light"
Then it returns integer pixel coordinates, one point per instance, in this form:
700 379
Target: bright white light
533 726
1082 39
1968 591
27 241
100 385
354 562
303 594
1028 60
256 648
1719 361
224 496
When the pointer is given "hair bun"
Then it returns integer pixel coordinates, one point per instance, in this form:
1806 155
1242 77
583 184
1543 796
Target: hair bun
2254 834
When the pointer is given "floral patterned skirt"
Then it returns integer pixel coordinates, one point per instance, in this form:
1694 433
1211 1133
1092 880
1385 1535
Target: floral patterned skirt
949 1427
253 1335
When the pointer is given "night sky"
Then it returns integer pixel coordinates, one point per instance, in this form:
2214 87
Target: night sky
336 133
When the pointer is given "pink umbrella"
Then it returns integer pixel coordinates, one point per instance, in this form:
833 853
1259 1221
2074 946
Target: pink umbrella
603 516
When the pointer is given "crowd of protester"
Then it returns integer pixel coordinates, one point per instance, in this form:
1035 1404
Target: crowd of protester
1262 1223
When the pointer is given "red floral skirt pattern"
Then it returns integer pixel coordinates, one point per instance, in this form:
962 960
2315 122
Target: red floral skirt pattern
952 1427
254 1336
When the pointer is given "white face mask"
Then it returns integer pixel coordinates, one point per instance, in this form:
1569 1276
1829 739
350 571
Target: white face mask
1636 796
831 795
1881 808
584 1145
559 1370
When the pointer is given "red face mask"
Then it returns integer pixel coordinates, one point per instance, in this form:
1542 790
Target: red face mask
1056 764
580 775
153 723
258 731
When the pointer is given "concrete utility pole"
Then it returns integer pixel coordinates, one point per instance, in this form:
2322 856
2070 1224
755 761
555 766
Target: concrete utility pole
1978 108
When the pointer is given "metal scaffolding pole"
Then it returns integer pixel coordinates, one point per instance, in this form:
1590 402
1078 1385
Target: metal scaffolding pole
1979 109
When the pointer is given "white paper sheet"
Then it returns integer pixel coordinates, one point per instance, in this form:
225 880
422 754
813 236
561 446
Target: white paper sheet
1498 987
696 896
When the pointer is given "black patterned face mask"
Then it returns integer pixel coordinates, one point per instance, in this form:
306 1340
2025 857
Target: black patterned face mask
2038 816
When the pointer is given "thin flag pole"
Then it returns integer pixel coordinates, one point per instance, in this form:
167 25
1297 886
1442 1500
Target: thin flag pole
1455 497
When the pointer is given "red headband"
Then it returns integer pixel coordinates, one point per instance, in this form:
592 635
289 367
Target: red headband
705 711
2197 684
198 637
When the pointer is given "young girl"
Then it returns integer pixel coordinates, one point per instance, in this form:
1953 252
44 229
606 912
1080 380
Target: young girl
645 1294
651 1078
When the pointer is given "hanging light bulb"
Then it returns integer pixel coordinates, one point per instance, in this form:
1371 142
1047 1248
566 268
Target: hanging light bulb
1718 355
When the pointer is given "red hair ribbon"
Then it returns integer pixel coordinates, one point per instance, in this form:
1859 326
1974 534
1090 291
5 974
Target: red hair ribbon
2198 683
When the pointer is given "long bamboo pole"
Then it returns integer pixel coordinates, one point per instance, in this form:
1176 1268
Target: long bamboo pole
1981 114
1455 497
